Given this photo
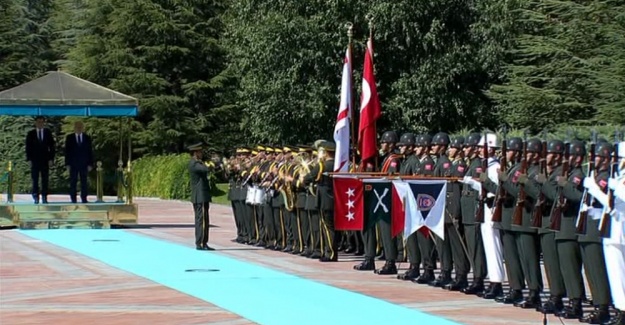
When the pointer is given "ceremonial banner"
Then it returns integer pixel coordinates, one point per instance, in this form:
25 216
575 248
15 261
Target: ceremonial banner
348 203
423 202
370 110
343 118
378 201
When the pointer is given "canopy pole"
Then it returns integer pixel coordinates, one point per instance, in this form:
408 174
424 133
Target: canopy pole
120 164
129 177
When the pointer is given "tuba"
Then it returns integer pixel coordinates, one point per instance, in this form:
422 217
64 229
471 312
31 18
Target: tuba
286 189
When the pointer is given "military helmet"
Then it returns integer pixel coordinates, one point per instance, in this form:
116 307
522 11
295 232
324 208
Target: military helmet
407 139
389 137
577 148
424 140
604 150
515 144
441 139
457 142
473 139
534 145
555 146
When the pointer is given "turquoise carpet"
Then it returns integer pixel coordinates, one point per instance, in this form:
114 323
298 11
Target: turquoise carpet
257 293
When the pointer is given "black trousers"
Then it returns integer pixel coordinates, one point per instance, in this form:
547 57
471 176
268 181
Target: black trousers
40 170
74 173
201 223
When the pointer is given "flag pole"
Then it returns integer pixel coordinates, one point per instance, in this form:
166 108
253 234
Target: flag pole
370 18
352 150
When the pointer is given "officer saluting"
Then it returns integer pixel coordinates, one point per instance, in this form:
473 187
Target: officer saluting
200 196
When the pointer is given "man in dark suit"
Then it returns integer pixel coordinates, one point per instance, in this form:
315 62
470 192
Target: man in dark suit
79 160
40 150
200 196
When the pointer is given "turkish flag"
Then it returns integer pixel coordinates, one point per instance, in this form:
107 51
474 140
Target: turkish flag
398 214
370 110
348 204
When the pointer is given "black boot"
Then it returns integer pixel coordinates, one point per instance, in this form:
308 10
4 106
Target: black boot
573 310
494 290
459 284
426 277
552 306
366 265
412 273
475 288
619 319
532 301
388 269
443 279
600 315
513 297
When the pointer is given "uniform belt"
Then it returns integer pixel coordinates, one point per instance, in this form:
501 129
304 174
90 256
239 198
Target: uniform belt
468 193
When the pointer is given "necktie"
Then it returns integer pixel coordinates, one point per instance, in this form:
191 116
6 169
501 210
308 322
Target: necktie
40 133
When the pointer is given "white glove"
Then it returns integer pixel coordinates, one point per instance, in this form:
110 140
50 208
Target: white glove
589 183
597 193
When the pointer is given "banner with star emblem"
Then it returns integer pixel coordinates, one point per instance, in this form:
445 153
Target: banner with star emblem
378 203
348 203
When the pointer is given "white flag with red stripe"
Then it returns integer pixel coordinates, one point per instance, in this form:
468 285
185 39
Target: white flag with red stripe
343 118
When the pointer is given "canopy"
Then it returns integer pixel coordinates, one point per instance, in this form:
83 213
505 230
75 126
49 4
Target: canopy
61 94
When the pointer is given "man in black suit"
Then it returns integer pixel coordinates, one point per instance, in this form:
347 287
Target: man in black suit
40 150
200 196
79 160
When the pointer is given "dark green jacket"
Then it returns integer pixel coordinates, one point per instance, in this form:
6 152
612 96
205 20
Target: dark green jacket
200 192
572 192
469 198
512 186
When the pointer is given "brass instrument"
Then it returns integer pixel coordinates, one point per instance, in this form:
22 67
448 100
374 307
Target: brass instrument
287 190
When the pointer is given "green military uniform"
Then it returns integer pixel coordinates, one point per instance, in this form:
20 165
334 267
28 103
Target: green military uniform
391 165
472 234
592 248
551 259
315 244
526 237
567 247
325 202
422 240
200 197
409 166
511 253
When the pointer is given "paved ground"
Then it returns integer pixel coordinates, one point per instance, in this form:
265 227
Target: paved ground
44 284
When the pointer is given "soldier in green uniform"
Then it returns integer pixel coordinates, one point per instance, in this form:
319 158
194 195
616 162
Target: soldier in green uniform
422 240
545 184
591 242
568 250
325 199
458 168
371 242
315 245
249 170
200 196
468 204
391 246
300 201
526 237
409 166
512 260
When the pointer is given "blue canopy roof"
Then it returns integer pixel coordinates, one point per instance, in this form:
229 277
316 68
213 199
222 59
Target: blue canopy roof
61 94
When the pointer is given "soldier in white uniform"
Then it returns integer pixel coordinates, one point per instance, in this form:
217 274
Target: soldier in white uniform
491 236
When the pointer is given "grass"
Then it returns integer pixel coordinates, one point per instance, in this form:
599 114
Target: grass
220 194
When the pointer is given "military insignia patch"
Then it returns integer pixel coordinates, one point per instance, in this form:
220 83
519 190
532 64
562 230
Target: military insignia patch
394 164
461 169
425 202
515 178
446 165
478 169
428 167
603 183
577 180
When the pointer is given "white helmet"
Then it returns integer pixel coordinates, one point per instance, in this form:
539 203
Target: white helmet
491 141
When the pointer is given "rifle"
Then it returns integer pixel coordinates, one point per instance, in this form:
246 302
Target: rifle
479 213
606 220
587 199
517 216
560 204
501 192
537 214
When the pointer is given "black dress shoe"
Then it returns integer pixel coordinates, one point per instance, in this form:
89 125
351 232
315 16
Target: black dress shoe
327 259
457 285
410 274
306 253
600 315
513 297
288 249
552 306
443 279
619 319
200 248
261 243
36 201
360 252
494 290
388 269
475 288
530 302
426 277
350 250
315 256
208 248
366 265
573 310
